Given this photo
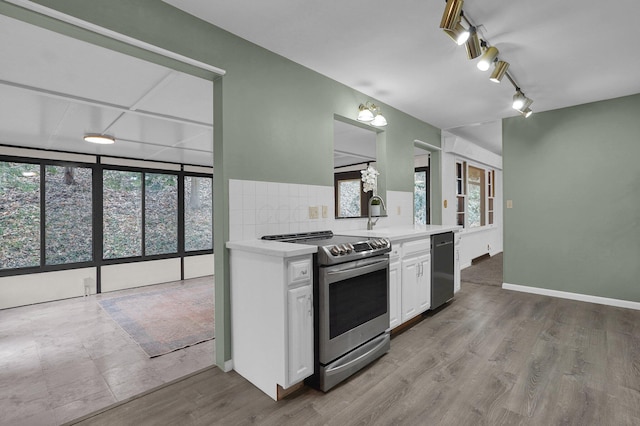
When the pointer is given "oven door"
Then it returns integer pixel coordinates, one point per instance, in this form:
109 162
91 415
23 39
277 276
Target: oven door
353 305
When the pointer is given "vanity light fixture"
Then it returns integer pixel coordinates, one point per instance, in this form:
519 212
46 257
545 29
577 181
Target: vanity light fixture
370 113
478 46
365 114
99 138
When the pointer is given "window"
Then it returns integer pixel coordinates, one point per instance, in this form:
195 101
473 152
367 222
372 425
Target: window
461 192
160 214
350 200
122 214
19 215
491 193
475 193
49 210
68 214
475 197
198 215
421 196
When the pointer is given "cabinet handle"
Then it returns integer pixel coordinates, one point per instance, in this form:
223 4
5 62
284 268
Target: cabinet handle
310 311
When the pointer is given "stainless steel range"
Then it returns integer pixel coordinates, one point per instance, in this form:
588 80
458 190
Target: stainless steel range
351 303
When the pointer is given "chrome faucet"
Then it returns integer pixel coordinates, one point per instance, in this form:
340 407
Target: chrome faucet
370 224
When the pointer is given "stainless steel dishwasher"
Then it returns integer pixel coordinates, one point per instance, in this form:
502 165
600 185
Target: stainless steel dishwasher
442 264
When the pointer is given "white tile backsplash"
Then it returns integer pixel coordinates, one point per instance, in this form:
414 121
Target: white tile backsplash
263 208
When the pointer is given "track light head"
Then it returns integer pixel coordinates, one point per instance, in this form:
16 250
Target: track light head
487 58
518 100
526 113
451 15
473 44
499 71
459 34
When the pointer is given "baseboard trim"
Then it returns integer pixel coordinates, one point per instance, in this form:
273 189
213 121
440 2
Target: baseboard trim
573 296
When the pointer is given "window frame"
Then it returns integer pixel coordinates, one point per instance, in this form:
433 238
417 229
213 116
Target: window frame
364 196
97 211
462 200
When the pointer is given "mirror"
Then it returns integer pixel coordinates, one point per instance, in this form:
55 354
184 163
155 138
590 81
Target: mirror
354 148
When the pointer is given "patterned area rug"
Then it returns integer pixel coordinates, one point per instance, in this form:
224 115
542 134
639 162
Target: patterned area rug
166 320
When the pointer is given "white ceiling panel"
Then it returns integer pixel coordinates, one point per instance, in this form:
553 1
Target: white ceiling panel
55 89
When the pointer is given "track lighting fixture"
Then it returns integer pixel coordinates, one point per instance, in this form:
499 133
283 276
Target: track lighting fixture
487 58
473 44
451 15
500 68
458 34
479 47
371 113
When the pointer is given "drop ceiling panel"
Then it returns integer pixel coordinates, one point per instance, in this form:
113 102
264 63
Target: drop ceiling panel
50 62
182 96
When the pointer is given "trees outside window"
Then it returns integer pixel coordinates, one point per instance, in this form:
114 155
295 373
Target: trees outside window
122 214
198 213
68 214
161 214
19 215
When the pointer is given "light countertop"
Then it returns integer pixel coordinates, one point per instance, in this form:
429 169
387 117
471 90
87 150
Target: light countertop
403 233
272 248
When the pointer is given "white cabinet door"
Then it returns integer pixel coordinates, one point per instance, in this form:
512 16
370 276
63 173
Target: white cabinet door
424 282
394 294
300 324
409 303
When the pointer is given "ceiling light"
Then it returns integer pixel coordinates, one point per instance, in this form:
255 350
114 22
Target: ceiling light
365 113
473 44
379 120
518 100
451 15
487 58
459 34
99 138
499 70
526 113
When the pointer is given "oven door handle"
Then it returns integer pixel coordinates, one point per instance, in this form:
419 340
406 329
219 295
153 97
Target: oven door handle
354 269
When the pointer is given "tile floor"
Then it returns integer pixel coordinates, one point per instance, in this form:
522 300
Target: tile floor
61 360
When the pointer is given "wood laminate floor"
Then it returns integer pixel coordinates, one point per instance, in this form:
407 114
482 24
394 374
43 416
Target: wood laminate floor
491 357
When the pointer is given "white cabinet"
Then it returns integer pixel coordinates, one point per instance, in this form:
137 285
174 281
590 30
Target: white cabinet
416 278
395 296
300 324
424 282
271 319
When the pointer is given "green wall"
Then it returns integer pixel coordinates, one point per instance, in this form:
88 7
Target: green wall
574 179
273 119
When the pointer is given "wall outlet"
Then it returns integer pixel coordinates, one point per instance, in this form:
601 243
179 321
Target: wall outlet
313 212
509 204
398 211
325 212
488 247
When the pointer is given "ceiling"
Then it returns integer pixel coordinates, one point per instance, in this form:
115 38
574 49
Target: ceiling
55 89
562 53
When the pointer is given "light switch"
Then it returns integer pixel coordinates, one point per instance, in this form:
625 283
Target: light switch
325 212
509 204
398 211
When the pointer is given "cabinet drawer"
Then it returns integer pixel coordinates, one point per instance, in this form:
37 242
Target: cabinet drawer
299 271
420 246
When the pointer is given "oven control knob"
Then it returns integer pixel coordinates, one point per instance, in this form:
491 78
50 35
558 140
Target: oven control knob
375 243
343 249
349 247
334 250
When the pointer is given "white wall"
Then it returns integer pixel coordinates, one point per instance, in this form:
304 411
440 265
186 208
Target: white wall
474 242
28 289
265 208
